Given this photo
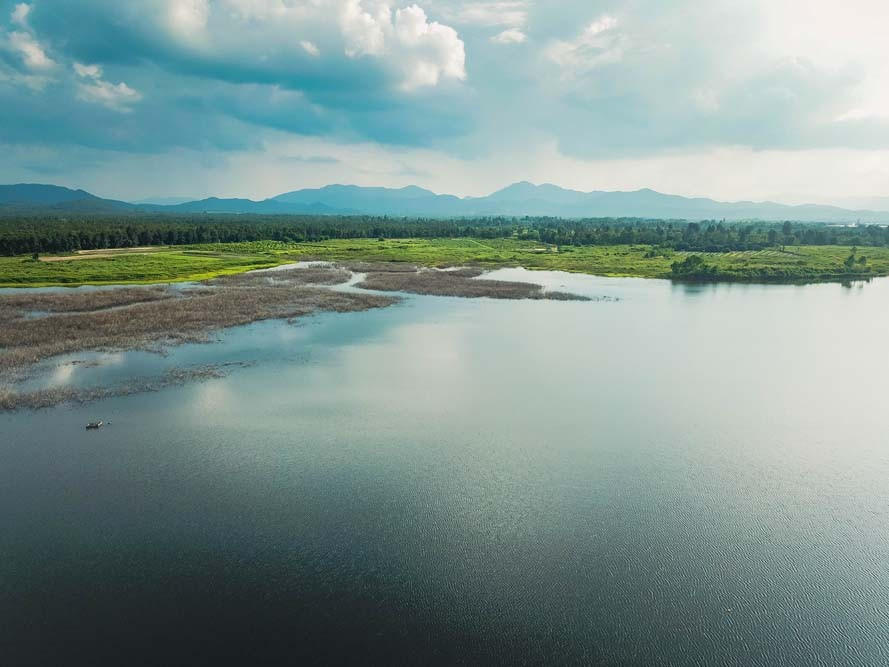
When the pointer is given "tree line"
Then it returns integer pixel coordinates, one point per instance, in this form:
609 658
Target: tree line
48 234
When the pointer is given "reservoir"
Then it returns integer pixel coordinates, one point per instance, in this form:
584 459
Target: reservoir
667 475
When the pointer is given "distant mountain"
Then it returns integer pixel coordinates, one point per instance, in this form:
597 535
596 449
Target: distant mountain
527 199
34 196
519 199
410 200
266 206
163 201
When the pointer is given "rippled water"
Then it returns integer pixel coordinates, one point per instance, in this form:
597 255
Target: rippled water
684 476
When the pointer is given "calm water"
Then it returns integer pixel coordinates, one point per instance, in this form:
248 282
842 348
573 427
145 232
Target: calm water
687 476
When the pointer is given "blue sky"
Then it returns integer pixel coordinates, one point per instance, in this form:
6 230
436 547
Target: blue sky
782 99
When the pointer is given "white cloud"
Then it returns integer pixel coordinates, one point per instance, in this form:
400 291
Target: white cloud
430 50
506 13
20 14
362 32
597 45
265 10
509 36
310 48
94 89
402 42
187 17
31 52
91 71
423 51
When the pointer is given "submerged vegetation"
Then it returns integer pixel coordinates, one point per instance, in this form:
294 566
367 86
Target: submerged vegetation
34 328
37 327
460 282
45 398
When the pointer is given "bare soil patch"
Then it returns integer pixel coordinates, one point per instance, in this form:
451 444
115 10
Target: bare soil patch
92 254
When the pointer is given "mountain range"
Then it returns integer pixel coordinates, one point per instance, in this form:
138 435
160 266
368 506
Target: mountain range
519 199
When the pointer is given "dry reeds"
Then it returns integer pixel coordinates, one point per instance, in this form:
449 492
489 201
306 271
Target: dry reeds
35 327
461 282
130 318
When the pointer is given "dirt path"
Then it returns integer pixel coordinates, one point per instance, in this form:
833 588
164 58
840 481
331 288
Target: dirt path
110 252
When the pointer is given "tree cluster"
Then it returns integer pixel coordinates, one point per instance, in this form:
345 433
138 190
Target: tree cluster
20 235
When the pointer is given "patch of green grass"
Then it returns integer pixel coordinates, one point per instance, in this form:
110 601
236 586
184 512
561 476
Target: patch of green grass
796 264
155 267
800 263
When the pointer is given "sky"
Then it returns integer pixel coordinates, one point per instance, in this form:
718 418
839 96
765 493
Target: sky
757 99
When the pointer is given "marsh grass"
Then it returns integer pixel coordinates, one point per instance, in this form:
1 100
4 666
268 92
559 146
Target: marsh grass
460 283
153 318
140 318
312 275
16 305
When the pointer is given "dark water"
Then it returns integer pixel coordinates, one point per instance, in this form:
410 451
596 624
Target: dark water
688 476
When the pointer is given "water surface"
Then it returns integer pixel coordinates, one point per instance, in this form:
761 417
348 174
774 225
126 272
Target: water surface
684 476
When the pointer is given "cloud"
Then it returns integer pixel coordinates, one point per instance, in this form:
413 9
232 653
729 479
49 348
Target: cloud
509 36
509 13
187 17
30 50
349 68
20 13
363 33
91 71
595 80
422 51
432 50
310 48
597 45
93 88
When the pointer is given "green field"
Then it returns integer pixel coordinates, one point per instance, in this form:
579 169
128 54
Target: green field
798 263
158 266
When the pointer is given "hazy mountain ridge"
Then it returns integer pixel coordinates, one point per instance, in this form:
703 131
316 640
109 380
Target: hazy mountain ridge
519 199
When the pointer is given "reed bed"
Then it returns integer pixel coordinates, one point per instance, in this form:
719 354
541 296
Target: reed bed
311 275
461 283
19 305
35 327
133 318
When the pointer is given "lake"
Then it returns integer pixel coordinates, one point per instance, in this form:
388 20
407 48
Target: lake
683 475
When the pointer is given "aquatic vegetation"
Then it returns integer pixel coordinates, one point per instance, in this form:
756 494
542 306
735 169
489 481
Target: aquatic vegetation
461 283
131 318
45 398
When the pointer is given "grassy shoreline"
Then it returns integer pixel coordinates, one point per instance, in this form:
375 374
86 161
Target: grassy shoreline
798 264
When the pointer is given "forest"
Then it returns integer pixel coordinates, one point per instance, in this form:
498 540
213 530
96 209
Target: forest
20 235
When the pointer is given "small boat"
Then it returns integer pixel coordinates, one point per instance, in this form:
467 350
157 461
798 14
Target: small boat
94 425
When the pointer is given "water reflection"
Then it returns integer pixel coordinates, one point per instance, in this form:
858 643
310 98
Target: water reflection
686 475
